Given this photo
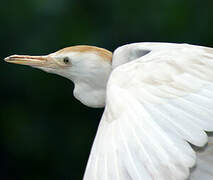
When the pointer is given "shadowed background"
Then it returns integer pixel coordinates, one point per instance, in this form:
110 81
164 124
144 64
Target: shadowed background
44 132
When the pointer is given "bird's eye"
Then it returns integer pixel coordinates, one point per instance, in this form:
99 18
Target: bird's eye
66 60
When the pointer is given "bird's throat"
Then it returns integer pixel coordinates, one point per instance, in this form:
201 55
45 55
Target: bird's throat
90 95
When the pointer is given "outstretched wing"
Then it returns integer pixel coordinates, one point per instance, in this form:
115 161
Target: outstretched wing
156 105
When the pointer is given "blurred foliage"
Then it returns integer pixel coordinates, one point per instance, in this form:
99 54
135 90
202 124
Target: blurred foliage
44 132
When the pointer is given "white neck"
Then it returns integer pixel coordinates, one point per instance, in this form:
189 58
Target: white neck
88 96
90 80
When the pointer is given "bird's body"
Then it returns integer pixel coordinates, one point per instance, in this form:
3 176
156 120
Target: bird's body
158 98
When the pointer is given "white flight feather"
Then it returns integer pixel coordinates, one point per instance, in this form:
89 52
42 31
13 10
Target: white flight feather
155 105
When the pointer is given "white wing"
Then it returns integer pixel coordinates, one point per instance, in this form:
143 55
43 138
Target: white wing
204 165
155 105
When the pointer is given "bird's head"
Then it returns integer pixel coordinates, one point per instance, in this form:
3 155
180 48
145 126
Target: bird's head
87 66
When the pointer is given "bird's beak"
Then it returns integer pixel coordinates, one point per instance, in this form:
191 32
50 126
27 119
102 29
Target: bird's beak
36 61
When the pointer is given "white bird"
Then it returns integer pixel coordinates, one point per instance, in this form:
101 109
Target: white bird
158 100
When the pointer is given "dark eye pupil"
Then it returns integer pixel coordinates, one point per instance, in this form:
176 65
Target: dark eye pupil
66 60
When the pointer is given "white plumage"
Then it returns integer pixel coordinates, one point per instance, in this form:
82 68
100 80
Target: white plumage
159 106
155 105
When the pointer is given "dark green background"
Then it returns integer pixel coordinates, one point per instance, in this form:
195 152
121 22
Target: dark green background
44 132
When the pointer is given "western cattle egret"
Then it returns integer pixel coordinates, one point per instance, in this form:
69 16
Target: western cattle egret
158 100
